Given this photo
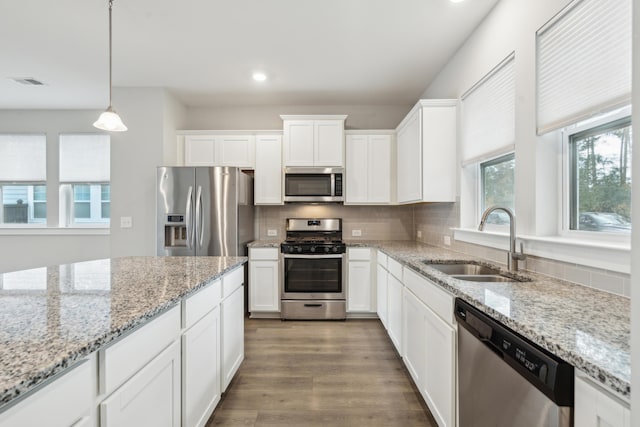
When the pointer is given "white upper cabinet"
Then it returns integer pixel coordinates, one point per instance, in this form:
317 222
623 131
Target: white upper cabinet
219 150
368 169
268 171
426 153
313 140
199 150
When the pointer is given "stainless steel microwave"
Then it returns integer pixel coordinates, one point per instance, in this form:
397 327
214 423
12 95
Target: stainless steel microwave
313 184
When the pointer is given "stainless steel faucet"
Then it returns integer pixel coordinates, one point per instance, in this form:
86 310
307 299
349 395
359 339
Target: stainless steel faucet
514 256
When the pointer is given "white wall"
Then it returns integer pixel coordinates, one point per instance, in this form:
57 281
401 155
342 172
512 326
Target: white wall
267 117
152 116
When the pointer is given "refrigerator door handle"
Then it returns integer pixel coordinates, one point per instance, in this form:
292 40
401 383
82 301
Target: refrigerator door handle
199 218
188 220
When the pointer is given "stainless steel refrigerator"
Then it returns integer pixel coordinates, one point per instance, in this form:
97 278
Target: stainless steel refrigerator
204 211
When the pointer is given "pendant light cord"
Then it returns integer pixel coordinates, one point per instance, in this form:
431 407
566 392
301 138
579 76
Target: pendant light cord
110 54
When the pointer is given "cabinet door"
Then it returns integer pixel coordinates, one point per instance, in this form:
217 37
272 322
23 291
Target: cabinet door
232 347
439 153
150 398
394 307
382 278
359 287
596 408
409 161
357 169
298 142
415 336
268 172
438 385
199 150
201 370
328 143
379 174
264 287
236 151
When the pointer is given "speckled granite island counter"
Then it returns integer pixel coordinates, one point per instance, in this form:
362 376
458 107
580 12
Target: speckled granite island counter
588 328
53 317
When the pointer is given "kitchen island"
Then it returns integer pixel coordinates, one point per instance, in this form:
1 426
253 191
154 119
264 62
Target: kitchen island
54 318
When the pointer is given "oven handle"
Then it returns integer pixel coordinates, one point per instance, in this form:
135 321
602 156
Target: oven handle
314 256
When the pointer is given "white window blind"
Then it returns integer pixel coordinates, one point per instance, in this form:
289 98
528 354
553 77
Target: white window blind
84 158
23 158
488 114
583 62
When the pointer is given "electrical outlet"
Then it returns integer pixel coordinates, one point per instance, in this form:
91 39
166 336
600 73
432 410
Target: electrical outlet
419 234
272 232
447 240
356 233
126 222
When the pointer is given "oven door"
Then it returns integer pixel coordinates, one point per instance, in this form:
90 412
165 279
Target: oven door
311 277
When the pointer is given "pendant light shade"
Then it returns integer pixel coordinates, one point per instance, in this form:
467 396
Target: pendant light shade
110 120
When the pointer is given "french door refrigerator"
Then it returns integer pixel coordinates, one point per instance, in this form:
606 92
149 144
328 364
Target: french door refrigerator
204 211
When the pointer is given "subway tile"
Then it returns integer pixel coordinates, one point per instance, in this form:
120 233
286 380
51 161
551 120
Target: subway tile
607 283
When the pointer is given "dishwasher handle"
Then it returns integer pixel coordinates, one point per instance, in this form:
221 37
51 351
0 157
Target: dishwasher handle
547 372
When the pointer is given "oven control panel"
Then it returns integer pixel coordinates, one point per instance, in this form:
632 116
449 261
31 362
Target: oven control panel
316 249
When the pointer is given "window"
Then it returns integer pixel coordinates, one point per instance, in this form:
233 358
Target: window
488 143
497 187
23 176
600 178
84 179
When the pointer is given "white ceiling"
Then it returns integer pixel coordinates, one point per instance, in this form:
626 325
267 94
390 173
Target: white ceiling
315 52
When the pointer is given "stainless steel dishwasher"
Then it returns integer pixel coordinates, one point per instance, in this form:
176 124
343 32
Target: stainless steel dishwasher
505 380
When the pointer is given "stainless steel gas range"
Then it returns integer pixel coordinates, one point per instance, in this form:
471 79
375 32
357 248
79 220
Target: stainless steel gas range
313 276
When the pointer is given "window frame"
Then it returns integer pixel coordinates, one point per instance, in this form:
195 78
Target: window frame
595 125
478 169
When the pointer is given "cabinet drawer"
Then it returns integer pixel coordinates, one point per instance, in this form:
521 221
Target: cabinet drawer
438 300
359 254
64 402
382 259
120 361
232 281
395 268
263 254
199 304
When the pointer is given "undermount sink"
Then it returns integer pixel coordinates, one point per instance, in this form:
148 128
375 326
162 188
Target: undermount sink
463 269
472 272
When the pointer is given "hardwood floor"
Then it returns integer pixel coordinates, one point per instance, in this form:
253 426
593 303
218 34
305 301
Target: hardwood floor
320 374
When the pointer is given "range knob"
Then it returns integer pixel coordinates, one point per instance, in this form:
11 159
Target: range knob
327 249
299 249
335 249
312 249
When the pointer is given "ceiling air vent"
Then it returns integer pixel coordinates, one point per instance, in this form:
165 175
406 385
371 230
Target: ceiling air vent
29 81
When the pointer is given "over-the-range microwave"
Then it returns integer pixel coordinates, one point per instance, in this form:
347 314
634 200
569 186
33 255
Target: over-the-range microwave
313 184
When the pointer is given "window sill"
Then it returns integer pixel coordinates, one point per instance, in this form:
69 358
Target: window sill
608 256
54 231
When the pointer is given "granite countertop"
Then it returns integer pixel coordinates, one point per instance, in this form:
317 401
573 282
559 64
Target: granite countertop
53 317
588 328
265 244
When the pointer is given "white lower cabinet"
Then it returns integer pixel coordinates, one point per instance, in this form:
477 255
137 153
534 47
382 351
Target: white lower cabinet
382 279
415 334
232 321
361 295
264 285
65 402
595 407
150 398
201 369
394 311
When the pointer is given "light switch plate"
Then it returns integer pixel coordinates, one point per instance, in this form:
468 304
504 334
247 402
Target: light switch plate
356 233
447 240
272 232
126 222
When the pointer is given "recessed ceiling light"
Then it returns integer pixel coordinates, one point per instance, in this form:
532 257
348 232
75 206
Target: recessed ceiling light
259 76
456 1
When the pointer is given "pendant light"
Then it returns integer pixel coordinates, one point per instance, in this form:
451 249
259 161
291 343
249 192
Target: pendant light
109 119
